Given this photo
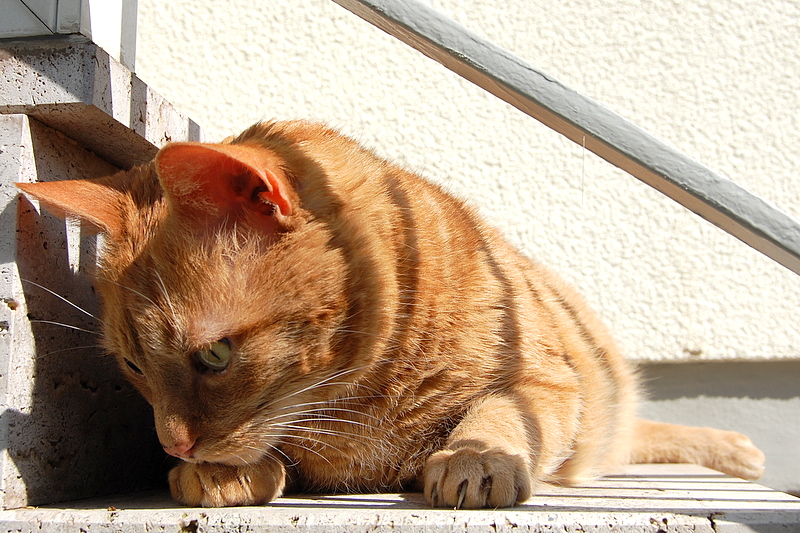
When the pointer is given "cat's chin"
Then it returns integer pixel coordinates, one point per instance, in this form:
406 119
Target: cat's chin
230 458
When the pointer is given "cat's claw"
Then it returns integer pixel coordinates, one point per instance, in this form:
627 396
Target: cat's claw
470 479
462 493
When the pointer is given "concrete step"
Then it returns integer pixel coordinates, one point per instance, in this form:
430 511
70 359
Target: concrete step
650 498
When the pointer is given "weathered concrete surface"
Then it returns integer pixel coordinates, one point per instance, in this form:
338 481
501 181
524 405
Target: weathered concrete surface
71 426
74 86
641 498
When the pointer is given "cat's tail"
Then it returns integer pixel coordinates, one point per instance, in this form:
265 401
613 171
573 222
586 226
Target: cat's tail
726 451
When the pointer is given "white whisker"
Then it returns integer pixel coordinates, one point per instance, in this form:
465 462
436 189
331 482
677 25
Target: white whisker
286 443
69 326
166 295
323 403
289 461
96 346
76 306
338 410
332 419
326 382
331 433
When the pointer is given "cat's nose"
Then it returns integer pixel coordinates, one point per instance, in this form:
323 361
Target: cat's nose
177 434
182 449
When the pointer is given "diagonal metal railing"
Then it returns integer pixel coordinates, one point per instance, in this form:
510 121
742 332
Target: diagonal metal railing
620 142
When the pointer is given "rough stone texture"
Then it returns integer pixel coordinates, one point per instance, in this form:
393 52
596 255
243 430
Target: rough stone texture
718 80
71 427
72 85
641 498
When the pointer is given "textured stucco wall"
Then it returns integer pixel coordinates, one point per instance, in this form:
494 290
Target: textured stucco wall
719 79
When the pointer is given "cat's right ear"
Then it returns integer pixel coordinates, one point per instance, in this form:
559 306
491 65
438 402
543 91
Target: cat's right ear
93 202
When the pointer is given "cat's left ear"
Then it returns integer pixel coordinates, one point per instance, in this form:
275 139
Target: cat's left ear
230 182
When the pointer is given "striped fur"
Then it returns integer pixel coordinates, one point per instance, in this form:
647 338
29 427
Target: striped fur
383 336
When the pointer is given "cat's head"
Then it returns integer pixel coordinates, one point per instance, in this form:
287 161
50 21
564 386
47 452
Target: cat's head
222 291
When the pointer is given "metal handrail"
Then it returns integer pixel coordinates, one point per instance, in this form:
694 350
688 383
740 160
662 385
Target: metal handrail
620 142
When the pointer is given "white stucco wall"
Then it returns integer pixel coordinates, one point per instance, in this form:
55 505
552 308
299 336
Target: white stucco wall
719 79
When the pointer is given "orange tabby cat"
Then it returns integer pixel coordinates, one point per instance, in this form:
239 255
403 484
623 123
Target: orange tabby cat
305 316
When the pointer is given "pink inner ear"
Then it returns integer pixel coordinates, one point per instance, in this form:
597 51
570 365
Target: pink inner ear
223 179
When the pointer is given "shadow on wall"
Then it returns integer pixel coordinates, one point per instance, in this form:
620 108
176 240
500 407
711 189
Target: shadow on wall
758 398
778 380
75 427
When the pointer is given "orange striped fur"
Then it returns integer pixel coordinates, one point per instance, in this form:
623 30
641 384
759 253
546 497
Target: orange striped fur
380 335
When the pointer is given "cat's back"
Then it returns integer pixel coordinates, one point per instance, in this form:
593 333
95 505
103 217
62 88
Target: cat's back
429 248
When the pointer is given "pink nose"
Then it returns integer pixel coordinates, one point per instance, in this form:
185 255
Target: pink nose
181 449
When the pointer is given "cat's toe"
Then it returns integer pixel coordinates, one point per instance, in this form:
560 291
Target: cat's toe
185 486
217 485
471 479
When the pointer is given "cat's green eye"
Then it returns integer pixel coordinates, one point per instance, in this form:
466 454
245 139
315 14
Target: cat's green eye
216 356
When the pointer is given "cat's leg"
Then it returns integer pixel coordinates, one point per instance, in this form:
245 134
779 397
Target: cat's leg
726 451
486 460
220 485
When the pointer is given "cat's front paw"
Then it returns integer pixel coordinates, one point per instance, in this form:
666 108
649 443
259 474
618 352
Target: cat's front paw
218 485
470 479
